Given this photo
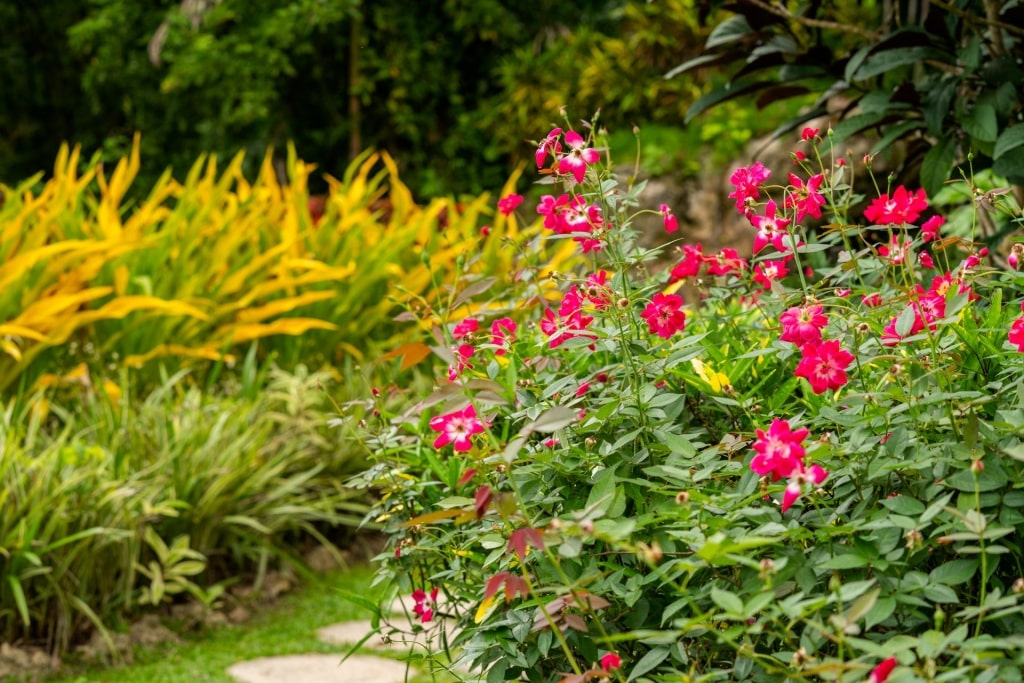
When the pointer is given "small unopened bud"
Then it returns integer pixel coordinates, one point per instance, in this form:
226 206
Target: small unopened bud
1018 586
800 657
590 442
652 553
914 539
767 568
977 467
587 526
636 129
1016 254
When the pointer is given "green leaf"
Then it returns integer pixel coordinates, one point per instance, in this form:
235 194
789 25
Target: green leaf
981 123
847 561
854 125
887 60
862 605
953 572
730 602
939 593
1011 138
904 505
936 166
730 30
894 133
553 419
723 93
1011 165
649 661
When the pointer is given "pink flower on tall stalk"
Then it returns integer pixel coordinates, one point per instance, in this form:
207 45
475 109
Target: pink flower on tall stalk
610 662
693 259
549 145
780 450
598 292
903 207
806 198
664 315
725 262
770 229
569 322
465 328
930 228
768 272
457 428
824 365
668 218
575 161
808 133
880 674
425 604
803 324
1016 334
747 181
896 251
463 352
507 205
503 333
815 474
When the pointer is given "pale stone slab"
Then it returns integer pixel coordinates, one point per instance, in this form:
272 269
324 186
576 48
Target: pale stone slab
319 668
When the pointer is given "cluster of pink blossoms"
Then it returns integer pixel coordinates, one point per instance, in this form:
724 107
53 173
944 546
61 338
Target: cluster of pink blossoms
824 361
926 308
571 163
567 215
780 455
503 332
425 603
570 320
664 315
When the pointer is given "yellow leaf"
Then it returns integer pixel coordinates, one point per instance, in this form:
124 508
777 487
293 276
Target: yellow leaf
122 306
13 330
205 353
435 516
481 611
121 280
243 333
11 349
48 313
284 306
716 380
113 391
411 354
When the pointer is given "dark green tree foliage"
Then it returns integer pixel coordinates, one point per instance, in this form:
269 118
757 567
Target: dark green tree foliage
943 78
219 76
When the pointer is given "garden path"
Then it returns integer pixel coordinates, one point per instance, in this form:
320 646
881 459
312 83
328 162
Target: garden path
329 668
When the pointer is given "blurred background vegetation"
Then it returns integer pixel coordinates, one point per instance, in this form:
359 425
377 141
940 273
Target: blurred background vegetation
453 89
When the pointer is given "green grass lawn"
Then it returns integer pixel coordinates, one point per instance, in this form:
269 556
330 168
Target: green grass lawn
287 627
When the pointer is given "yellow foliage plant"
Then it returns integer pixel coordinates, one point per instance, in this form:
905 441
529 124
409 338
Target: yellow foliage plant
199 270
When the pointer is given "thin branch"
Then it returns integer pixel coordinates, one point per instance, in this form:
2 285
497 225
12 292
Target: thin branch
814 23
974 19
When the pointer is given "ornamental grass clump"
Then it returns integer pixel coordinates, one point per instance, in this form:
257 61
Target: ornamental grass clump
804 465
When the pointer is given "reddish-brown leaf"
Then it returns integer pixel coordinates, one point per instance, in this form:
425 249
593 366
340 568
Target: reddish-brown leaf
482 500
519 538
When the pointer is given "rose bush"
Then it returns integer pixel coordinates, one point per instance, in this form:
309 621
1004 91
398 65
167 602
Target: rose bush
810 471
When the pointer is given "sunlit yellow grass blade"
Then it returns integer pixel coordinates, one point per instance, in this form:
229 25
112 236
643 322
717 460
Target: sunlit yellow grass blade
281 306
177 350
241 334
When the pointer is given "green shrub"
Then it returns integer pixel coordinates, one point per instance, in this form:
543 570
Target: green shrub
813 475
173 492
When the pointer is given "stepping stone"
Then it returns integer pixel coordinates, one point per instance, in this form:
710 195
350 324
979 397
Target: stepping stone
319 668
